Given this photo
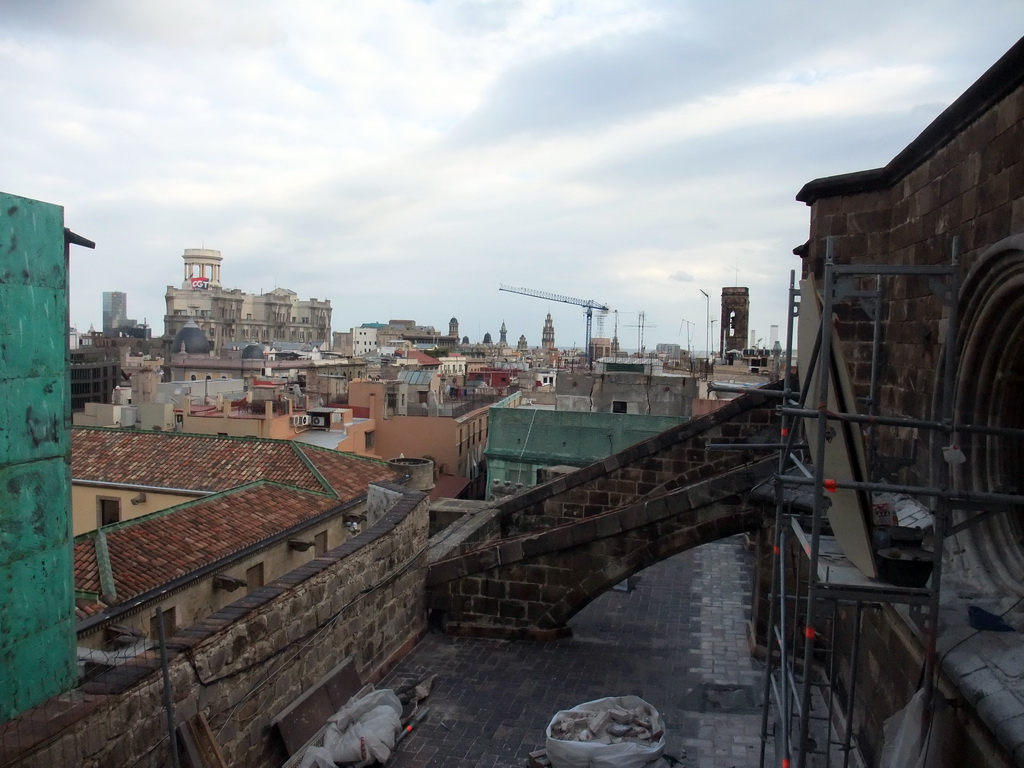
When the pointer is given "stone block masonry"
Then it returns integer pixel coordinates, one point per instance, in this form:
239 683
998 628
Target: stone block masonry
565 542
242 665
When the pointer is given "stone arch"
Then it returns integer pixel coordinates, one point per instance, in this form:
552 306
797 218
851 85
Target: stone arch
531 584
989 391
742 519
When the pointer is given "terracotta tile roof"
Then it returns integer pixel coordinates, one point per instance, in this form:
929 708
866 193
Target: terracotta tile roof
85 607
345 474
425 360
87 575
150 551
189 462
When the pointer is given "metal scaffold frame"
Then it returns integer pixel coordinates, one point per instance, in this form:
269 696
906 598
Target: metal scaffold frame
803 610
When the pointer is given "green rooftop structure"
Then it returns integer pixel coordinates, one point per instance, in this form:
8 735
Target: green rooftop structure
37 631
521 441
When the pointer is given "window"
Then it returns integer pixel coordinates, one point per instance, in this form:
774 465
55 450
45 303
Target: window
618 406
108 511
170 624
371 439
253 578
320 543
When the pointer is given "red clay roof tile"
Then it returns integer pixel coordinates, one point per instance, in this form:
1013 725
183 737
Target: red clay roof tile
153 550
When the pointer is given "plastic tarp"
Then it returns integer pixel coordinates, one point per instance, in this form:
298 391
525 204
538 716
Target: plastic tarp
603 750
361 733
918 738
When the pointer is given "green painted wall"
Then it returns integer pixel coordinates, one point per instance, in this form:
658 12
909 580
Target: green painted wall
37 631
522 440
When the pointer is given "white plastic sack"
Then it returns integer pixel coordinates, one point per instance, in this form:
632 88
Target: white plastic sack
916 738
362 732
594 754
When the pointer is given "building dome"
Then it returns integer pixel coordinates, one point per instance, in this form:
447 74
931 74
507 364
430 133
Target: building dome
191 340
252 352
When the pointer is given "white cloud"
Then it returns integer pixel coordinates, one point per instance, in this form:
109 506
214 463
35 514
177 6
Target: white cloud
403 158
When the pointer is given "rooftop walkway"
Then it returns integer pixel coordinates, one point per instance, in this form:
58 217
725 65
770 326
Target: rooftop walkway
677 640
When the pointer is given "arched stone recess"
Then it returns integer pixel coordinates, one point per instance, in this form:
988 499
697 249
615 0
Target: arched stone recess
989 392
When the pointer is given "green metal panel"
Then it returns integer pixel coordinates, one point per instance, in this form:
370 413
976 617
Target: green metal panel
521 440
34 418
31 326
32 487
39 661
37 632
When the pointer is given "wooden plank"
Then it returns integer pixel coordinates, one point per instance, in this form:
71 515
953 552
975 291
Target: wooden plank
201 747
850 514
306 714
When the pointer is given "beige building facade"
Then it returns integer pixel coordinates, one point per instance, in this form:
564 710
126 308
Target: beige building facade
226 315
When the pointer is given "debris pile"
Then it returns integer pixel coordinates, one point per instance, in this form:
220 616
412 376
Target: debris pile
607 726
613 732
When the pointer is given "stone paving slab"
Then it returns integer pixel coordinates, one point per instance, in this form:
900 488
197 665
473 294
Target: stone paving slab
677 639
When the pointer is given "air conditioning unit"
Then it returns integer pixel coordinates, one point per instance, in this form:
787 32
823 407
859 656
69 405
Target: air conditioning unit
319 420
300 420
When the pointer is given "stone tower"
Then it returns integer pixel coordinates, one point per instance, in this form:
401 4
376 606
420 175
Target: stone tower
735 319
522 344
453 327
503 334
547 336
202 268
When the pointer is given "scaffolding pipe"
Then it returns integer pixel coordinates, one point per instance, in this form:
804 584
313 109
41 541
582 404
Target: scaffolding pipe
944 470
794 704
940 492
876 348
824 379
851 697
904 421
777 590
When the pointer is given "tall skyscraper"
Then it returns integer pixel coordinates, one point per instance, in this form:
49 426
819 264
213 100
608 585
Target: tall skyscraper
115 310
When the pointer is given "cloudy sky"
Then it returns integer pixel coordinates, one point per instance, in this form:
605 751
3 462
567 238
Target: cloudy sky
403 158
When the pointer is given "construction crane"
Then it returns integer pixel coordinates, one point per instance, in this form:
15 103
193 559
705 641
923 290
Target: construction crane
588 304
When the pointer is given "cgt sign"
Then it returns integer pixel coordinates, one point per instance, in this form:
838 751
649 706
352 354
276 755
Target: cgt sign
200 283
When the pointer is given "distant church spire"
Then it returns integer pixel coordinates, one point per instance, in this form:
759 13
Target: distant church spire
503 334
547 336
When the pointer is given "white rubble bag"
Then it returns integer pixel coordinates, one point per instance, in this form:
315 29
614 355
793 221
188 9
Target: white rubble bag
614 732
918 738
361 733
